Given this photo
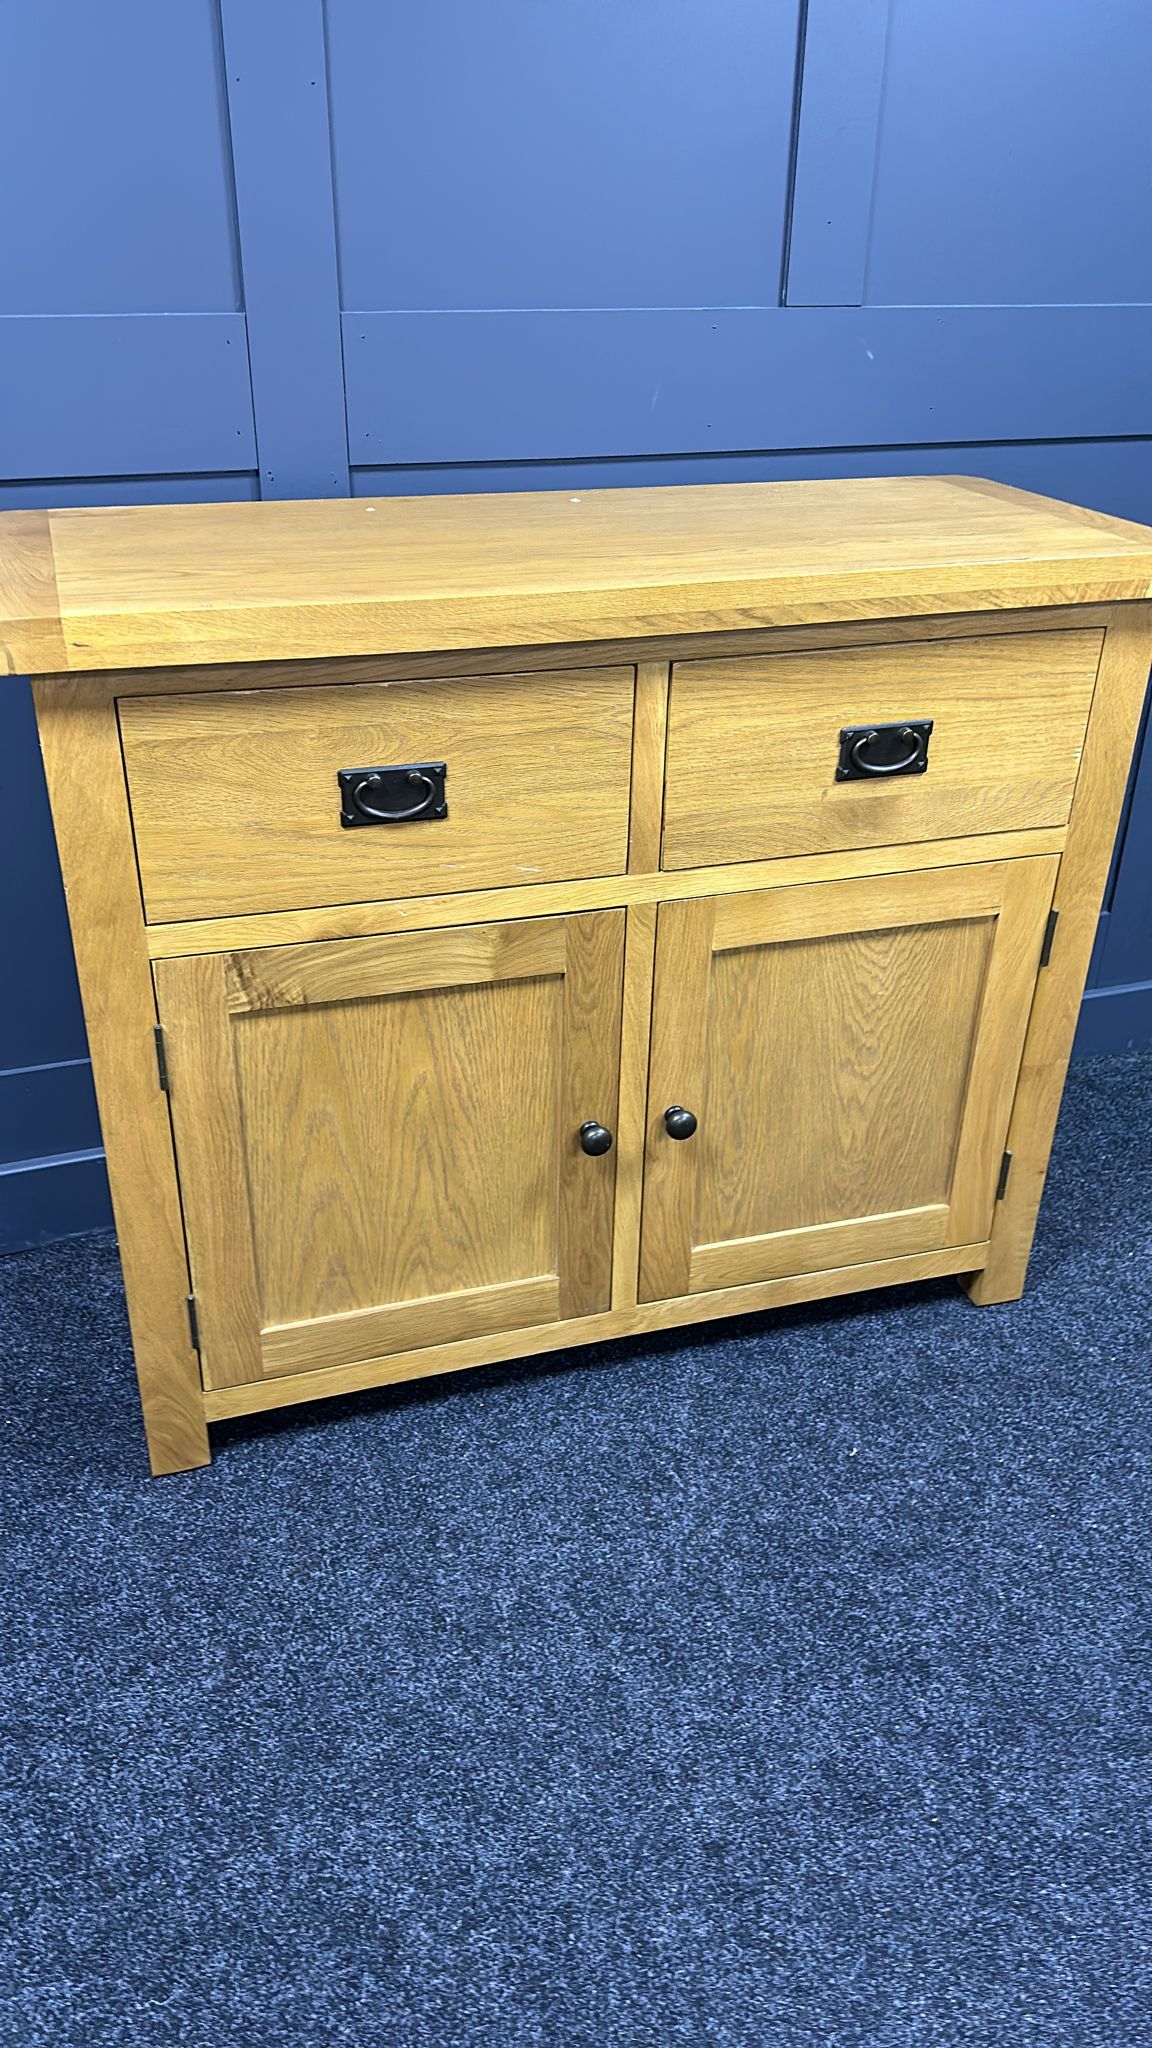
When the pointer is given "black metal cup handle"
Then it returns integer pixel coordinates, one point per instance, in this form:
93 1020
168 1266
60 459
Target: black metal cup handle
911 759
417 780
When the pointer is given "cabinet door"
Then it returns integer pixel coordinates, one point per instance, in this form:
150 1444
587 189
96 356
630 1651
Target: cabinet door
378 1139
849 1051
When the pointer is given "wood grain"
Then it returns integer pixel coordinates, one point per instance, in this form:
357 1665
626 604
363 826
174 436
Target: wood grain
677 1074
648 748
206 1117
86 782
318 1344
628 1322
1052 508
352 920
837 1066
31 638
589 1090
754 744
1001 1024
141 586
859 904
286 977
401 1149
639 959
236 805
378 1139
1080 881
441 663
853 1242
850 1052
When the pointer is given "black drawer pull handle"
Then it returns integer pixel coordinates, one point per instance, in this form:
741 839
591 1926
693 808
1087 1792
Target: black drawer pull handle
911 760
594 1139
391 787
870 750
678 1122
417 810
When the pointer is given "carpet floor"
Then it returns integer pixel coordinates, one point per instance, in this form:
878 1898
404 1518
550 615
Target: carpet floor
783 1684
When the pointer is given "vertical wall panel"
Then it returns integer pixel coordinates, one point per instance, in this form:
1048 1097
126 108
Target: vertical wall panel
122 347
842 81
1015 155
278 102
118 182
960 152
124 377
521 154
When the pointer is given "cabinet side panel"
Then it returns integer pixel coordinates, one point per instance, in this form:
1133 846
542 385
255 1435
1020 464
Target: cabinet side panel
81 747
1083 870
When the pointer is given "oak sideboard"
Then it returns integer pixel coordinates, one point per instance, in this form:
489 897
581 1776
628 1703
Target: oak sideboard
507 922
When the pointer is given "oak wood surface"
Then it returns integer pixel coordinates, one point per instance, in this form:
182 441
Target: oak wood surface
639 956
648 752
206 1117
837 1067
1001 1023
676 1079
31 635
283 977
139 586
316 1344
236 806
378 1138
85 779
850 1052
589 1092
754 745
355 920
625 1322
1081 877
393 1145
814 1247
442 664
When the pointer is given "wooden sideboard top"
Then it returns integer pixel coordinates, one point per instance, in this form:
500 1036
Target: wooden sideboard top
155 586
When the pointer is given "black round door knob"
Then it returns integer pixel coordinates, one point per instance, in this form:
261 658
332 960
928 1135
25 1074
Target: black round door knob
679 1123
594 1139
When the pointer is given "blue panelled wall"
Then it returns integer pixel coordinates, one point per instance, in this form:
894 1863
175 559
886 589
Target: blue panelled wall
355 247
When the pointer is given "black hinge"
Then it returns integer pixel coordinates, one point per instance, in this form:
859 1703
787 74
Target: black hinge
193 1322
1005 1170
161 1056
1049 935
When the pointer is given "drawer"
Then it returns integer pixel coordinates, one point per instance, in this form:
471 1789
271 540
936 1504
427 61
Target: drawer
754 744
237 807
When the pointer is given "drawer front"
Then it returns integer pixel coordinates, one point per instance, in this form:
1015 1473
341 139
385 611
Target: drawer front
236 802
754 745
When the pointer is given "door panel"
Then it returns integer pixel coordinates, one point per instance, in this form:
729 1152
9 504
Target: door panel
850 1051
377 1138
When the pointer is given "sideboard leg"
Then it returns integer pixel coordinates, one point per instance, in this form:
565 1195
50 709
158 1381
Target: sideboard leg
177 1433
81 746
1083 871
